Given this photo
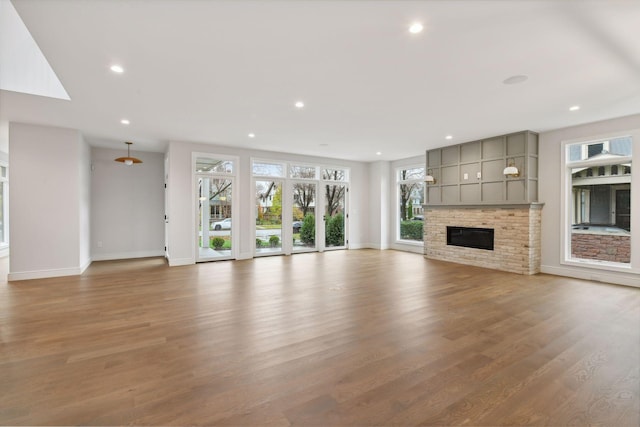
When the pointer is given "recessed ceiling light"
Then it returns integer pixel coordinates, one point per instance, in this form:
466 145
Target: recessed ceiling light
515 80
125 121
378 153
448 137
117 69
416 28
324 144
574 108
252 135
299 104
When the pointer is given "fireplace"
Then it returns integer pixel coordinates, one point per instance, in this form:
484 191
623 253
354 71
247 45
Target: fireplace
501 236
470 237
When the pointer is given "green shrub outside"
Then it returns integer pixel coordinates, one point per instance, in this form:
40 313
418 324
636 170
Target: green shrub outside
258 242
274 241
308 230
217 242
411 230
335 231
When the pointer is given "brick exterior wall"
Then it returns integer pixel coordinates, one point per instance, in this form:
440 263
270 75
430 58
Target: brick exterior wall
601 247
516 236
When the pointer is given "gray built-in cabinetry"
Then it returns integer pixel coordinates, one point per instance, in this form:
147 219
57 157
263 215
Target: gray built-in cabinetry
471 173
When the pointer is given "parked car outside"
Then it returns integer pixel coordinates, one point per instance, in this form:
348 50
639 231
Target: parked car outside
225 224
297 225
418 218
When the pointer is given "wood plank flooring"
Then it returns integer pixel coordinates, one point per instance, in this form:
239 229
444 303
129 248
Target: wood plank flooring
337 338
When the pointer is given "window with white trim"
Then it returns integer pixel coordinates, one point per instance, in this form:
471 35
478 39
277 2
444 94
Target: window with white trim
598 202
410 197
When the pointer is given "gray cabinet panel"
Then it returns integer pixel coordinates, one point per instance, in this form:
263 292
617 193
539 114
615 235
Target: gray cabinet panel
470 193
515 191
470 152
492 170
450 155
450 194
433 158
489 157
516 144
433 194
493 148
492 192
532 170
532 143
533 190
449 175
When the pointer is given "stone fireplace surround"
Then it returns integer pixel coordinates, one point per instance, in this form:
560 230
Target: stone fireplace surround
516 235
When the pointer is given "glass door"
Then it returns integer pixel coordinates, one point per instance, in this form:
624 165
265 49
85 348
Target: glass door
215 211
268 207
303 216
335 213
214 194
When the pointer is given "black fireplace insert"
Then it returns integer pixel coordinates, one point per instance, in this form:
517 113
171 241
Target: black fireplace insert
479 238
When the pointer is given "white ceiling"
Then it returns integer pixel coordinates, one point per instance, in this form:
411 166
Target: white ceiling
24 67
214 71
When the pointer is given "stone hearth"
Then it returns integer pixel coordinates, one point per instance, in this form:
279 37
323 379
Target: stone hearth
516 235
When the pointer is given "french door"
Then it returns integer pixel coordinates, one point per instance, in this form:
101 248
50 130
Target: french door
214 224
335 214
268 214
303 216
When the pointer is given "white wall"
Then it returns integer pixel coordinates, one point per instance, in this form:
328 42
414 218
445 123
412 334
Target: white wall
4 157
44 202
379 204
550 195
181 200
127 205
84 204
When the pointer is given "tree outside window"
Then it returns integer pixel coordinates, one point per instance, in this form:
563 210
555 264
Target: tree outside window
411 199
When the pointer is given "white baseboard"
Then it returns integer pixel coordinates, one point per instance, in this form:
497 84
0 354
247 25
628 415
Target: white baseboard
416 249
595 276
361 246
175 262
127 255
245 255
44 274
377 246
86 265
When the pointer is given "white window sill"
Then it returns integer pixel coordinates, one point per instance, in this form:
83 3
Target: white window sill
598 265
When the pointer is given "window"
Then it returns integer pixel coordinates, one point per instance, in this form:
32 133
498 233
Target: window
214 166
599 202
303 172
334 175
296 203
268 169
410 190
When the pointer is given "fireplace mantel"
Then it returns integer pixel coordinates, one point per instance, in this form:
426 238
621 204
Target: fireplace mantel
503 205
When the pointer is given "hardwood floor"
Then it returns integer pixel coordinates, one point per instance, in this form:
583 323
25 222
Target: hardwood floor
339 338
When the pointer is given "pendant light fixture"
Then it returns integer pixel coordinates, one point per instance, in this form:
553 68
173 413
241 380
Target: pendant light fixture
128 160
